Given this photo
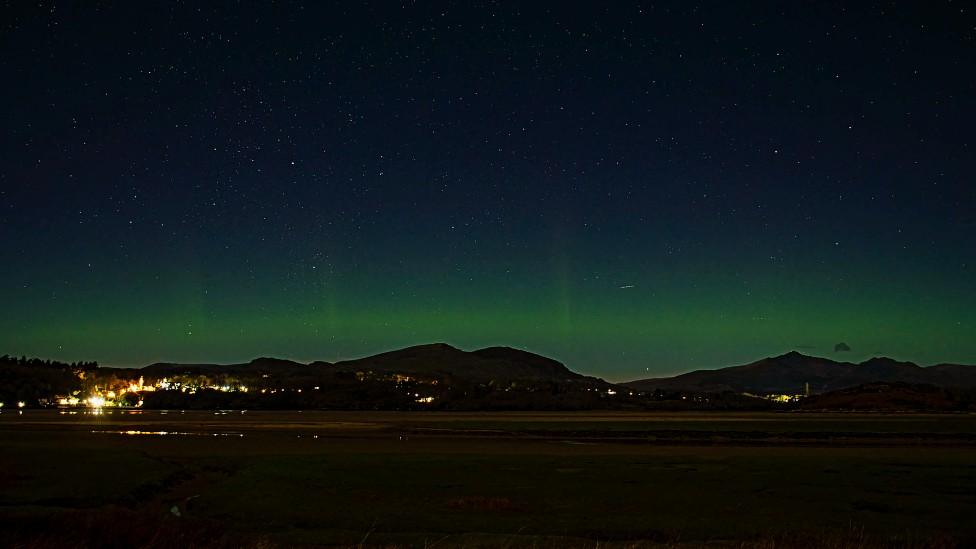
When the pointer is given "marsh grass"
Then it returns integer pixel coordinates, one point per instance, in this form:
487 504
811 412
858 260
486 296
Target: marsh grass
63 486
120 528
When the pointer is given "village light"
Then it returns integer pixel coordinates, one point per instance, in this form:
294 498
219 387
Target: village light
21 404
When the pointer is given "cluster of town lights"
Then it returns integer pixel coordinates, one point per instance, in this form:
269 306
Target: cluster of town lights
100 398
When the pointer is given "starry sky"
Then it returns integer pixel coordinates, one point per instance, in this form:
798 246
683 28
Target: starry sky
633 189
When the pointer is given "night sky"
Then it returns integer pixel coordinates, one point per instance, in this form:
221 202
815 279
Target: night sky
633 190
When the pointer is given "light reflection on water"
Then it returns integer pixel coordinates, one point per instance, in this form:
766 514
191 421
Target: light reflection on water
99 412
134 432
129 412
198 425
166 433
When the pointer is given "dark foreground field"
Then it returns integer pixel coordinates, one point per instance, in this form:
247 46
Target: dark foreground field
507 480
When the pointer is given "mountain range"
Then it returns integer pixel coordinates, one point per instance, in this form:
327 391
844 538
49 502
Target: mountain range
789 373
436 360
441 377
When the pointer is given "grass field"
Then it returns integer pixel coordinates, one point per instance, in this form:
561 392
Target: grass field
506 479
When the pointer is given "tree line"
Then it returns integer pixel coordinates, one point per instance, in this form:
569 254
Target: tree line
23 361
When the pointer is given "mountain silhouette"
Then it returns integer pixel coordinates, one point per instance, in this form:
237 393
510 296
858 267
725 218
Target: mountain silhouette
262 364
498 363
432 360
789 373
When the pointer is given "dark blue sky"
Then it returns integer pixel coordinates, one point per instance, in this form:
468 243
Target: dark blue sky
628 188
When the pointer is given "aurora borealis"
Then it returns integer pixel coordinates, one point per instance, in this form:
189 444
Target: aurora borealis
629 189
